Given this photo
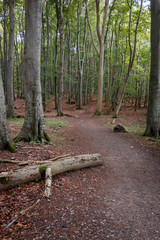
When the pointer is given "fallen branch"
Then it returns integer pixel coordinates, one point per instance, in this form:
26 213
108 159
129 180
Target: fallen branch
36 172
48 183
9 161
21 212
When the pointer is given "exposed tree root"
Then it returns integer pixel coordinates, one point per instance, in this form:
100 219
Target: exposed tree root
11 147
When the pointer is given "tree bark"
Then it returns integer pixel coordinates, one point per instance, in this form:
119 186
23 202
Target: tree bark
153 114
10 68
48 182
32 173
34 126
5 45
100 52
60 81
4 134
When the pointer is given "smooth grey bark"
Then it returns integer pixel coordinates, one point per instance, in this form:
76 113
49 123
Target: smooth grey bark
34 126
100 52
10 67
60 18
4 134
5 45
69 66
44 81
55 64
153 114
80 58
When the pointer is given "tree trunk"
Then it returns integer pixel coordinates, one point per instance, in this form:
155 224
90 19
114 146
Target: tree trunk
55 64
100 52
60 82
4 136
100 81
34 126
5 45
132 52
10 68
32 173
153 114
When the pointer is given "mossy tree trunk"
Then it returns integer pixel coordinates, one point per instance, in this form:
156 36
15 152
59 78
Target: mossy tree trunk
4 134
34 125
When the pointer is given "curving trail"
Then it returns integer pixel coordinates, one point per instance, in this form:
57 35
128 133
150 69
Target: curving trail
120 200
129 183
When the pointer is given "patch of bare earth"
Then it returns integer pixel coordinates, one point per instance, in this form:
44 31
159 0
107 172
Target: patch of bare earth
119 200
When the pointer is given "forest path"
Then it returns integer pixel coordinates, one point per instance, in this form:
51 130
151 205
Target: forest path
129 184
116 201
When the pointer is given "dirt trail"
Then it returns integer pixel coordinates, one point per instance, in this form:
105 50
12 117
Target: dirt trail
119 200
131 187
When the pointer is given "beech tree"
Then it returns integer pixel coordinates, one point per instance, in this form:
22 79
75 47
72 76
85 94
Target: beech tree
153 114
10 68
34 125
100 52
80 49
132 51
4 134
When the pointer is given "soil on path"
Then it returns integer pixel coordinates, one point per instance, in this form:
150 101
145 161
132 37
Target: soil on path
119 200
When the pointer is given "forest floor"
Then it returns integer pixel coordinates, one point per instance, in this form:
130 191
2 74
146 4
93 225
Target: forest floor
119 200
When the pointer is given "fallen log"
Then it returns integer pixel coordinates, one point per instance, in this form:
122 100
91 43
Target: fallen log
36 172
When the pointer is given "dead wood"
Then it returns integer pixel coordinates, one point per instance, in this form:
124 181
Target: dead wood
9 161
48 182
36 172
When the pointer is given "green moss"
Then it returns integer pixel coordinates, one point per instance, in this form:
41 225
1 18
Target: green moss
42 171
17 139
47 138
11 147
56 123
4 180
98 114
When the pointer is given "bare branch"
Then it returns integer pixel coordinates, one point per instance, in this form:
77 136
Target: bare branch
91 33
98 20
105 16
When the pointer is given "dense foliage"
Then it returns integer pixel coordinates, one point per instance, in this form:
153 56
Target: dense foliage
119 42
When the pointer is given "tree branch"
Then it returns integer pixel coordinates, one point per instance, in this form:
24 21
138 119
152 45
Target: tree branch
105 16
91 33
98 20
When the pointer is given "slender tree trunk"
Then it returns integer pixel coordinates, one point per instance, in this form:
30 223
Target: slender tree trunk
34 126
55 64
153 114
80 58
5 46
10 68
100 80
60 82
100 52
44 80
132 52
79 99
69 67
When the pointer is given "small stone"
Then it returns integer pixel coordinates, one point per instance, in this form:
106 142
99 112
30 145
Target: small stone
120 128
